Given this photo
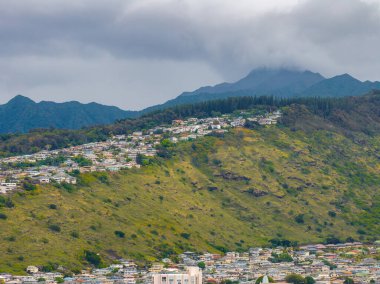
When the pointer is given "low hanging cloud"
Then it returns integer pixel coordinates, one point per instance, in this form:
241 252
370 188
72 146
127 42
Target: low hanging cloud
141 52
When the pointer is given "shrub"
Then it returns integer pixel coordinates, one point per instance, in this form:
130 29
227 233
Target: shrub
282 257
3 216
93 258
332 214
299 219
332 240
75 234
52 206
119 234
185 235
103 178
295 279
11 239
28 186
361 232
309 280
201 265
154 232
55 228
9 203
348 281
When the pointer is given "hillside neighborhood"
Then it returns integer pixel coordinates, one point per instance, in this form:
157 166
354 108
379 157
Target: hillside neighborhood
323 264
118 152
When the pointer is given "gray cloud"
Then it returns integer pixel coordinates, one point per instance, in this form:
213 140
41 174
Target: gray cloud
140 52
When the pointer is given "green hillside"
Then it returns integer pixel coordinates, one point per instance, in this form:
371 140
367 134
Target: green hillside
215 193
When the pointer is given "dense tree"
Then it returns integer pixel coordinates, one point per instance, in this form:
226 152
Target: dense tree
348 280
295 279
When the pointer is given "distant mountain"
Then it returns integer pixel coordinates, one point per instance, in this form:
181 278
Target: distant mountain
265 81
21 114
340 86
277 82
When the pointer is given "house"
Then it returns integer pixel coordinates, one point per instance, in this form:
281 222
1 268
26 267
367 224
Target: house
32 269
44 179
192 275
62 177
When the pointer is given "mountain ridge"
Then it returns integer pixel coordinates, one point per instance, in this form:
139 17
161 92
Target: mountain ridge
24 114
21 114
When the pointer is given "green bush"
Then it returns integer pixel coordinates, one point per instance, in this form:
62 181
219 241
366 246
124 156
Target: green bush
201 265
299 219
3 216
119 234
75 234
55 228
93 258
52 206
282 257
295 279
185 235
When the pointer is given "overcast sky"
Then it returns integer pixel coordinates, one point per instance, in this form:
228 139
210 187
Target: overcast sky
136 53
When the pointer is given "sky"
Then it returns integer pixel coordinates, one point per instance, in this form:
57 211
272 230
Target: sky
137 53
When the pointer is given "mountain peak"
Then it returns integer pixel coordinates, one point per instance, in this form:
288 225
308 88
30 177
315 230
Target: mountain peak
20 99
345 76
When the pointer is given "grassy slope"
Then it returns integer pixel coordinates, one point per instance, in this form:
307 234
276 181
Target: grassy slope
302 174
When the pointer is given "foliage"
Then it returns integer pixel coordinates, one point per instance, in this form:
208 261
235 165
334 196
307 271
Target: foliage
93 258
201 265
28 185
300 218
283 243
120 234
348 280
82 161
309 280
295 278
55 228
260 279
282 257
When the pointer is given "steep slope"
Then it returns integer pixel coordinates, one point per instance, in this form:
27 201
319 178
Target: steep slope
222 193
22 114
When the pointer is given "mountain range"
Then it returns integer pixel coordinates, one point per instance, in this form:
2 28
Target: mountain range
280 83
21 114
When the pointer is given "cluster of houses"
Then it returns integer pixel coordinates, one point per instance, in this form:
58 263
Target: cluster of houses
326 264
118 152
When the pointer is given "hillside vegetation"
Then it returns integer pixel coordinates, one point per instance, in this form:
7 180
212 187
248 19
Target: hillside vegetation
250 187
300 112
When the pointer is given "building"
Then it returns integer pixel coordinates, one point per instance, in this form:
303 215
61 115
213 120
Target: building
192 275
